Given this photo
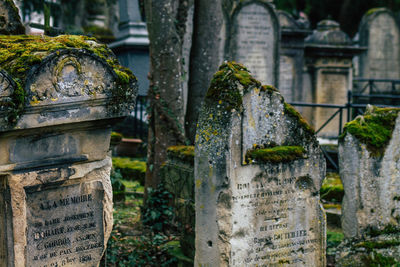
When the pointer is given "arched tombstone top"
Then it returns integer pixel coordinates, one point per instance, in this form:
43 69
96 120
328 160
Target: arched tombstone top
65 72
370 18
10 22
253 39
69 75
379 32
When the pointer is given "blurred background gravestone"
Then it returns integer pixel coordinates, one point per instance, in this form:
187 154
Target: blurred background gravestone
379 32
253 40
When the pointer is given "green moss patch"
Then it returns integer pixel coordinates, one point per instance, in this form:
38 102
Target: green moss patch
374 129
19 53
185 153
224 87
292 112
370 245
133 170
116 138
332 188
275 154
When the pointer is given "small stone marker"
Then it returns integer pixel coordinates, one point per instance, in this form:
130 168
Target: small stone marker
379 32
369 159
258 171
57 105
253 40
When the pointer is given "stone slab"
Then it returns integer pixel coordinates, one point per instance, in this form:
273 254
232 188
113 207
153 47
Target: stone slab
65 225
254 40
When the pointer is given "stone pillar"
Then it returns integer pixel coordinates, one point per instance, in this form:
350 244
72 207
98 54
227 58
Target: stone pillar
369 159
56 114
329 54
258 171
291 57
132 44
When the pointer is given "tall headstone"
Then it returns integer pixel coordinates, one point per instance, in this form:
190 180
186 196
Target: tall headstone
379 32
369 161
329 53
258 171
56 113
253 39
291 57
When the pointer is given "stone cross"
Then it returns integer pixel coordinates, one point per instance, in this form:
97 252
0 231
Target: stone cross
258 171
57 105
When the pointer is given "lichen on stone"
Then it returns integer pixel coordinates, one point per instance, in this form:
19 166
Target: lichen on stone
185 153
275 154
292 112
19 54
374 128
224 85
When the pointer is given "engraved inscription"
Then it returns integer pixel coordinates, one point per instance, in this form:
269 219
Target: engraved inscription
65 226
255 42
279 233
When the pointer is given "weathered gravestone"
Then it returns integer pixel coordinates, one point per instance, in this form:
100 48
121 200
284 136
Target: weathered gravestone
329 53
59 98
10 22
253 39
258 171
369 159
379 32
291 57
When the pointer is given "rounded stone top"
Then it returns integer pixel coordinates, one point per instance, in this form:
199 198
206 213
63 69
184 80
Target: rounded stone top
37 72
328 33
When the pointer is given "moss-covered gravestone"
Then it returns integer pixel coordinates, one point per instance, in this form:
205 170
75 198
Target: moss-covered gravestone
59 98
258 171
369 159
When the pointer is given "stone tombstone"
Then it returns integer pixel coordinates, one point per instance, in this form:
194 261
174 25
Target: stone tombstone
379 32
253 39
258 171
369 161
370 174
10 21
55 126
329 53
291 57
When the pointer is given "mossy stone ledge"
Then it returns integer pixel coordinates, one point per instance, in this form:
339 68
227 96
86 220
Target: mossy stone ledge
374 128
20 55
275 154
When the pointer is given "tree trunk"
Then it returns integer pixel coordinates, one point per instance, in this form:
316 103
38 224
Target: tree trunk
166 20
205 57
